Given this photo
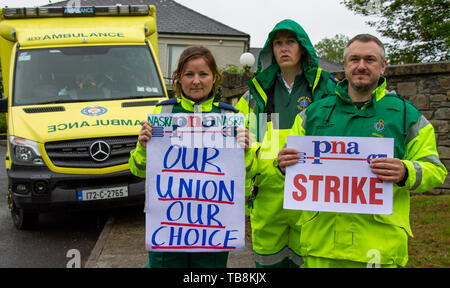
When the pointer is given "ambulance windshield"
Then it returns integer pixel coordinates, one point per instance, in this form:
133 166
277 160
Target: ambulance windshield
88 73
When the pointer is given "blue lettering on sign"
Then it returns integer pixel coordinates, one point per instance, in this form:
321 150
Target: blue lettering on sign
183 236
193 216
206 190
373 156
158 131
176 153
333 147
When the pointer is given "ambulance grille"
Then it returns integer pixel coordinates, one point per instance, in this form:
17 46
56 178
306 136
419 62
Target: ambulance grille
139 103
44 109
78 153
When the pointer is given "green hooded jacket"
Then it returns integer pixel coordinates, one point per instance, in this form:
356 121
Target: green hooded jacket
269 135
257 102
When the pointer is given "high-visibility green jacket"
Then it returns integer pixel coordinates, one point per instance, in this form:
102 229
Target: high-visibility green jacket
355 236
269 131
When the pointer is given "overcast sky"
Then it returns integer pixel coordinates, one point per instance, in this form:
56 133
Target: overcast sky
320 18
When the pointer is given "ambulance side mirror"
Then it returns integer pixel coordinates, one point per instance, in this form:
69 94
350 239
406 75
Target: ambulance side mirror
3 105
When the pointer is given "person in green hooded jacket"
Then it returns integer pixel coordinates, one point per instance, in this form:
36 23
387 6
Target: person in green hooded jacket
363 108
287 80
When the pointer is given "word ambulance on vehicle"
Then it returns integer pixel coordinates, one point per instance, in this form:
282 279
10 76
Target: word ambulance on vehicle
77 82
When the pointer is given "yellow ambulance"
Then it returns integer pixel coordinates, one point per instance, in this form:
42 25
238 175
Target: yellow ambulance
77 82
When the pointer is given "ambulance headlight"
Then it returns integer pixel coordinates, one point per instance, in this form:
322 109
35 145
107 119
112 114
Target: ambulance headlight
24 151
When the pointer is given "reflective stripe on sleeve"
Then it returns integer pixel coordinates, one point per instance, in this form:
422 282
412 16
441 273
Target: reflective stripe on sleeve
418 170
272 259
413 131
138 166
303 116
432 159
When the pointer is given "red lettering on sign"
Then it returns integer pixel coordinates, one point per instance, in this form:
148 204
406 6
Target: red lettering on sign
338 186
300 187
335 145
332 188
316 179
194 121
357 190
345 190
375 190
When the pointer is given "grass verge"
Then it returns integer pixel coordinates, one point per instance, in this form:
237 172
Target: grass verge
430 223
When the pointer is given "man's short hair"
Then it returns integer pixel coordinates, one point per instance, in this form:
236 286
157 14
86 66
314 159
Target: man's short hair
367 38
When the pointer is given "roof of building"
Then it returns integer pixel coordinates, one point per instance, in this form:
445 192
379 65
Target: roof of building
330 66
172 18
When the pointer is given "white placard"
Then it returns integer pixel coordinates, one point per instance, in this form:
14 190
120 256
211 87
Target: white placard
333 175
195 183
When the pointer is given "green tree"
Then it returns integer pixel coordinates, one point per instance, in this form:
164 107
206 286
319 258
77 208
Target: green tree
332 49
419 29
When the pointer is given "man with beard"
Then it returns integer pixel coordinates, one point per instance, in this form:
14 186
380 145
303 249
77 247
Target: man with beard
363 108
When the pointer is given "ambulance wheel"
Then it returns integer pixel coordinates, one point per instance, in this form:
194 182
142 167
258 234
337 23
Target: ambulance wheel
21 219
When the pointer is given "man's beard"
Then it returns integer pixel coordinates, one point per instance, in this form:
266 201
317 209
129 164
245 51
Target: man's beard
362 88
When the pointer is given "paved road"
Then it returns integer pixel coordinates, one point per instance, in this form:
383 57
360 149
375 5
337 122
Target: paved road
48 245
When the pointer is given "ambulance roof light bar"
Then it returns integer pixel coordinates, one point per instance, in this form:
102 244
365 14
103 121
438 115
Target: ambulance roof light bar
118 10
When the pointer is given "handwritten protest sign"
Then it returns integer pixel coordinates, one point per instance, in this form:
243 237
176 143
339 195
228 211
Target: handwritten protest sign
195 183
333 175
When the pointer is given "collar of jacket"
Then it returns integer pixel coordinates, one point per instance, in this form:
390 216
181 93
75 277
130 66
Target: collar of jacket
283 82
267 77
189 105
259 84
377 94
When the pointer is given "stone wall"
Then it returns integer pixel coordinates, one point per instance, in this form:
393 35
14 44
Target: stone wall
233 86
427 86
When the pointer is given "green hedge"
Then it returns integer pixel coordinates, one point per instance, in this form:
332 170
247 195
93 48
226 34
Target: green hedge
230 68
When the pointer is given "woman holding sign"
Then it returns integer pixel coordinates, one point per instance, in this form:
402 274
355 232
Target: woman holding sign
195 81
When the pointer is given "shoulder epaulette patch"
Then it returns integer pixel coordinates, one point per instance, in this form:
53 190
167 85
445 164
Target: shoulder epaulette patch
172 101
334 79
227 107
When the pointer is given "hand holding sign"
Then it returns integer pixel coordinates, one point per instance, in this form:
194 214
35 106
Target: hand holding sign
287 157
243 138
333 174
388 169
145 134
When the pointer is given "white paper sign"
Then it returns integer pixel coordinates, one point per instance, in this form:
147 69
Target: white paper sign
333 175
195 183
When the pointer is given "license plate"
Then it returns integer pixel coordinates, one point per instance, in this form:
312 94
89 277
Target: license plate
102 193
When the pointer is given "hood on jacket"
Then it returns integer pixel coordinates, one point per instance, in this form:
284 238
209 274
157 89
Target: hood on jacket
267 65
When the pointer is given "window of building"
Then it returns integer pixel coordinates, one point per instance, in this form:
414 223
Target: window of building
174 55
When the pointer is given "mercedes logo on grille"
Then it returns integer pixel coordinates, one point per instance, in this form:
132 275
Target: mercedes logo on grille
100 151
